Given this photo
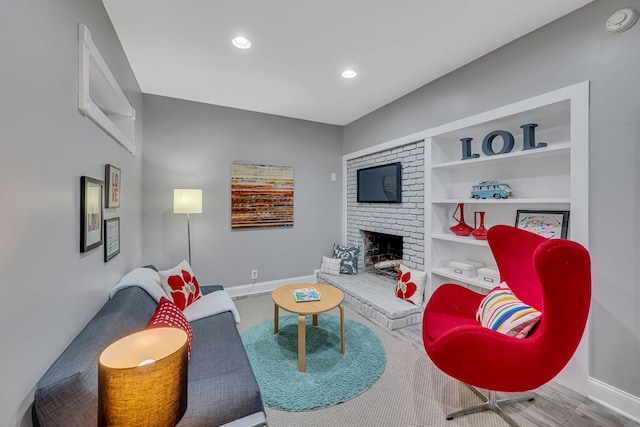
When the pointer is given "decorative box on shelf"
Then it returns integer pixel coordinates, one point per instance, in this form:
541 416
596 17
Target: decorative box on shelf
489 275
465 268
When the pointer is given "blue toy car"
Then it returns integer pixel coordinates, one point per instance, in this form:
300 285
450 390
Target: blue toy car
491 189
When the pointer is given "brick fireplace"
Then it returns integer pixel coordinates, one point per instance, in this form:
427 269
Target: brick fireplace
404 221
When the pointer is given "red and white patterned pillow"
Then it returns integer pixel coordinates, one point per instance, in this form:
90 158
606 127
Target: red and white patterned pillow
180 284
168 314
411 284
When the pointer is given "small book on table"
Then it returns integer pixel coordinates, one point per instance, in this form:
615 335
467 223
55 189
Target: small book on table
305 294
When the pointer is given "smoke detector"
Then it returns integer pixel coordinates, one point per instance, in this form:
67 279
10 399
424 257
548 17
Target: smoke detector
622 20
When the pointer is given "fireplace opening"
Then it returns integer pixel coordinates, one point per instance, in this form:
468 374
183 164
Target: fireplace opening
382 253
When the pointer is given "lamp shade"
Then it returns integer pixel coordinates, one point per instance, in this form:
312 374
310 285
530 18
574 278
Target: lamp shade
187 200
142 379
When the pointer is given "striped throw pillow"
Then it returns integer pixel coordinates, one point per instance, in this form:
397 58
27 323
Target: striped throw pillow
501 311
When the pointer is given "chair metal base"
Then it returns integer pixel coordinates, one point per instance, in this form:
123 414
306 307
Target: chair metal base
491 403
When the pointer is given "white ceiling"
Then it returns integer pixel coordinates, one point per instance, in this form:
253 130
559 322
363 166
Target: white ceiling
182 49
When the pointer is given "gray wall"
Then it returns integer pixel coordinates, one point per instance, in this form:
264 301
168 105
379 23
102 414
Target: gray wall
49 289
192 145
570 50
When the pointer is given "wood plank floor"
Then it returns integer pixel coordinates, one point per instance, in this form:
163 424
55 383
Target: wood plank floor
554 405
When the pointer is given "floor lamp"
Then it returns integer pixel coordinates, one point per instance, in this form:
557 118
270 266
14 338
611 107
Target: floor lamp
187 201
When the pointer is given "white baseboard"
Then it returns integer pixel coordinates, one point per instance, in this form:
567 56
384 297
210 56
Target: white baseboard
617 400
258 288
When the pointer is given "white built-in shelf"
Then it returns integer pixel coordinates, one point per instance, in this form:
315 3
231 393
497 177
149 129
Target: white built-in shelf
552 150
550 177
467 240
475 280
512 200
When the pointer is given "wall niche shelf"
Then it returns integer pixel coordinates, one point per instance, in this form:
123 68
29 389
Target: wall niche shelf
100 98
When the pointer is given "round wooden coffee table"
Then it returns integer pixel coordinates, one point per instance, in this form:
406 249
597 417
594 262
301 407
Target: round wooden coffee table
330 297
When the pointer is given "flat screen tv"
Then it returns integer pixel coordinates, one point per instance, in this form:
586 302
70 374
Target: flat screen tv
380 184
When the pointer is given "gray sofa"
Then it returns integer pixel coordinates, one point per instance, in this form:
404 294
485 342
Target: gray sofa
222 388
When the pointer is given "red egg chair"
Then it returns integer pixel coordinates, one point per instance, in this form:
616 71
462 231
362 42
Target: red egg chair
554 277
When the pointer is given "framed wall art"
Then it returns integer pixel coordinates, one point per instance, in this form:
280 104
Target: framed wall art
111 238
91 197
112 178
261 196
549 224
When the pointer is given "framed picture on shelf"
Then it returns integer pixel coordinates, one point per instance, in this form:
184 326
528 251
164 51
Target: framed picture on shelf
91 198
112 179
111 238
549 224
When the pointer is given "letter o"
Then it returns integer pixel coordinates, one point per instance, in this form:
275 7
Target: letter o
487 143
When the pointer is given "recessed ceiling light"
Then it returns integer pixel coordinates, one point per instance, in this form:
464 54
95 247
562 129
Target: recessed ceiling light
241 42
349 74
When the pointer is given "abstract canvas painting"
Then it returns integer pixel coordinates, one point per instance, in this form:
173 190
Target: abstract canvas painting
261 196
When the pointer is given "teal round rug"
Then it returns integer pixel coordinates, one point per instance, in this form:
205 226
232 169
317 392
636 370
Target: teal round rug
331 377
